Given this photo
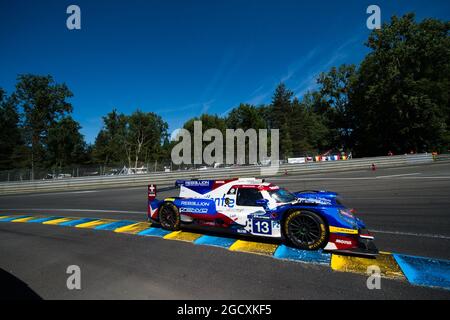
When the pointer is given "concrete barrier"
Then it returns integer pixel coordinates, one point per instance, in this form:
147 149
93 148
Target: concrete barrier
169 178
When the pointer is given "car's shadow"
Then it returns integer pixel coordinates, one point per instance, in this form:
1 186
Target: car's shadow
12 288
224 233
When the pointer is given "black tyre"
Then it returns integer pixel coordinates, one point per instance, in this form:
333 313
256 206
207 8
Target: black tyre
305 230
169 217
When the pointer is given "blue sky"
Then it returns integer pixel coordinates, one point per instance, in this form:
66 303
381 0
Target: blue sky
182 58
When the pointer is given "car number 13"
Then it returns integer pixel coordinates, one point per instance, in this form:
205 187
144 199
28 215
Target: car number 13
262 227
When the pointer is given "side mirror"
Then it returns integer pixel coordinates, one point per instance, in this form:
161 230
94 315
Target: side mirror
263 203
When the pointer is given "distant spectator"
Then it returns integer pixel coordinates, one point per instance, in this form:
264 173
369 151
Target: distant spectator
390 154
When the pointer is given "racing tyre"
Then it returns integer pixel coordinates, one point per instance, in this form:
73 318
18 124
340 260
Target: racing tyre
169 217
305 230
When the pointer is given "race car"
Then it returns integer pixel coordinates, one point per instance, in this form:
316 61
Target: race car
308 220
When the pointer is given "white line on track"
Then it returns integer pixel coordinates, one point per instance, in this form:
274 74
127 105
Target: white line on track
406 176
431 177
53 193
422 235
397 175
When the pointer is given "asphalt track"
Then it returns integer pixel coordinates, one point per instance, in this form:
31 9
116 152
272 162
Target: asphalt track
407 208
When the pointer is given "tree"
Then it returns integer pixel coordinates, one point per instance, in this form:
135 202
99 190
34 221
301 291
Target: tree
131 139
10 137
43 103
278 115
146 133
65 144
335 87
400 100
109 145
307 129
208 122
245 116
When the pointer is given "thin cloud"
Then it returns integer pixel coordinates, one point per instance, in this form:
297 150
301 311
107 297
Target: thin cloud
298 65
309 82
206 106
190 106
259 96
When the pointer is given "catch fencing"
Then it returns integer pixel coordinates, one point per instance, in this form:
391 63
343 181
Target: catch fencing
169 178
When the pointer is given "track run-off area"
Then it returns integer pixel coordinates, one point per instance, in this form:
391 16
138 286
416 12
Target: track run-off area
120 255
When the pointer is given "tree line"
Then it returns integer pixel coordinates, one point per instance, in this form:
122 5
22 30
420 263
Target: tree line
396 100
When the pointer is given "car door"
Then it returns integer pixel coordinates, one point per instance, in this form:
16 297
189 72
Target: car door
246 203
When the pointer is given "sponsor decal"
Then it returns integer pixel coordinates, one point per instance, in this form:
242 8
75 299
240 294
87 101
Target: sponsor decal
193 210
343 230
343 241
197 183
261 226
195 203
322 201
223 202
207 223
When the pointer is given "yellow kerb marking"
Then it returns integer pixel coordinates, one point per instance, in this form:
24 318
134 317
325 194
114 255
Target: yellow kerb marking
134 228
5 217
343 230
385 261
25 219
58 221
254 247
183 236
93 224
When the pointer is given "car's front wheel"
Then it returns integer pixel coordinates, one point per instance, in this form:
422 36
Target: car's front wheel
305 230
169 217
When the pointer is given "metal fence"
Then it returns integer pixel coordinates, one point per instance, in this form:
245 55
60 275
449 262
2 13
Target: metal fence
169 178
27 174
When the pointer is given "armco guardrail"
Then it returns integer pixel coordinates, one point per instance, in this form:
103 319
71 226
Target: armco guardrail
169 178
443 157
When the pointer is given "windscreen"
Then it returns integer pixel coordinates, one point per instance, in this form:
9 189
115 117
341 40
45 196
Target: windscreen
282 195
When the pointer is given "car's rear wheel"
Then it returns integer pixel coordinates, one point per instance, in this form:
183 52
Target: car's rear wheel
305 230
169 217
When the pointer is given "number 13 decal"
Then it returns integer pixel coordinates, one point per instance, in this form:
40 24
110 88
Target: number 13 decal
262 227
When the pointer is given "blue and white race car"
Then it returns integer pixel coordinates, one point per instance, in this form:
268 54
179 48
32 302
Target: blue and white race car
308 220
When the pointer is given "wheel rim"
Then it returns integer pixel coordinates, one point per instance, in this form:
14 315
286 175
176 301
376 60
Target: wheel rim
168 216
305 229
